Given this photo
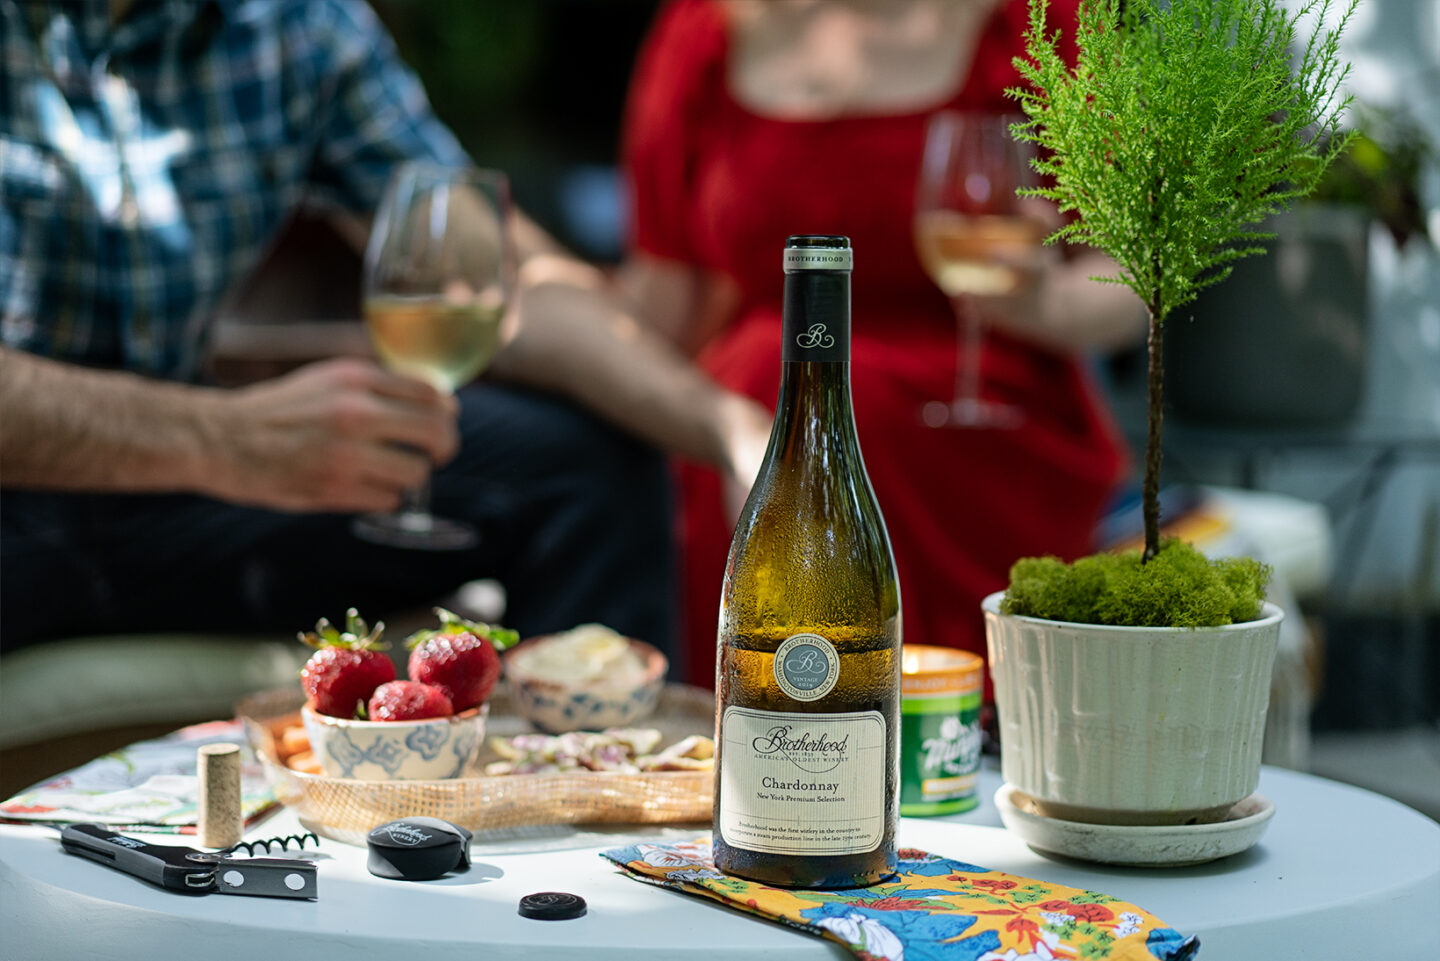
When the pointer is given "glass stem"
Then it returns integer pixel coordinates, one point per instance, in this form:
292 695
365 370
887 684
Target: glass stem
416 502
967 367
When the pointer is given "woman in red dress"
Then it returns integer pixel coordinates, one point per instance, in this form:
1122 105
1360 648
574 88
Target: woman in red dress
750 121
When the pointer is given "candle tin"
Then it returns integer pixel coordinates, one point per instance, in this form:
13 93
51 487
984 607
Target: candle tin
939 730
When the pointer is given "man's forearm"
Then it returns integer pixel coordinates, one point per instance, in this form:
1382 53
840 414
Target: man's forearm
64 427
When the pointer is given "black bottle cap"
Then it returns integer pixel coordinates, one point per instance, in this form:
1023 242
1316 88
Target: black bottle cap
552 906
828 241
417 849
819 252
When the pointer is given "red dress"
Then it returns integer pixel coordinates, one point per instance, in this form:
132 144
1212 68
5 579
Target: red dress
720 187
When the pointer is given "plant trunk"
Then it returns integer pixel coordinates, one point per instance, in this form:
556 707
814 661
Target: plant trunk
1154 394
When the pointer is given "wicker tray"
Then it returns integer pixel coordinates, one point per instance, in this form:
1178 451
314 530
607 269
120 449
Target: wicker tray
345 809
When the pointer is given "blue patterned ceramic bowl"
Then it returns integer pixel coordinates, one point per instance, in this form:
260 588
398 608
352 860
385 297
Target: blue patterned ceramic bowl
428 750
559 705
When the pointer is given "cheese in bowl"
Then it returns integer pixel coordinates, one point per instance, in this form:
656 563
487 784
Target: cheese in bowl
585 679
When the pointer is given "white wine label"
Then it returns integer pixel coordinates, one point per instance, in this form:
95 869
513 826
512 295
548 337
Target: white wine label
807 784
806 666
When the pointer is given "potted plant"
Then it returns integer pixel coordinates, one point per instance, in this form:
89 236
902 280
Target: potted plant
1132 689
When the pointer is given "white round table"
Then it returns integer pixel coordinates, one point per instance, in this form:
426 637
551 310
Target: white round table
1341 873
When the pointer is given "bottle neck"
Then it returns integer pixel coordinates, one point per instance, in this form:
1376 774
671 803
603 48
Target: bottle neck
816 317
814 404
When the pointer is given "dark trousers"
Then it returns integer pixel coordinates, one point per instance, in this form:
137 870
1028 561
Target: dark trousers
574 519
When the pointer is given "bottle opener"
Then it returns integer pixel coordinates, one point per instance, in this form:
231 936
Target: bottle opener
186 869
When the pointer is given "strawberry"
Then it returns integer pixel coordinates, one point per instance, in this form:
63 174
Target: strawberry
408 701
460 658
346 667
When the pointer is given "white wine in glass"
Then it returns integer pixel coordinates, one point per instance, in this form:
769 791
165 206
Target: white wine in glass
445 344
978 255
976 241
439 273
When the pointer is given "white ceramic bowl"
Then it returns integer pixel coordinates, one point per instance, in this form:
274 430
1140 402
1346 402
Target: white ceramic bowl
426 750
557 706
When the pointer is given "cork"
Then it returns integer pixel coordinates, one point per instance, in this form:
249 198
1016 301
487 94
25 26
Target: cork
218 771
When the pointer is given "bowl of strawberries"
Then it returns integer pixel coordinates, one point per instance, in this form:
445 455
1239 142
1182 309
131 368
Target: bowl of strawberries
365 723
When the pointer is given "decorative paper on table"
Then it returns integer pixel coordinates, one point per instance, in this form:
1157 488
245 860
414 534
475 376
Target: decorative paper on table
935 909
150 786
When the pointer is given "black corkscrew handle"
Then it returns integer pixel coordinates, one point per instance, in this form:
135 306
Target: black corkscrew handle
177 868
169 866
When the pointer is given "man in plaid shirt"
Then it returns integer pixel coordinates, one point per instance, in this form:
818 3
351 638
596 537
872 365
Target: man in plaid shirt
149 152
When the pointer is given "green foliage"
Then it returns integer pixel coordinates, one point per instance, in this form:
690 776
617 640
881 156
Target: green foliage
1179 587
1381 171
475 59
452 624
357 634
1181 127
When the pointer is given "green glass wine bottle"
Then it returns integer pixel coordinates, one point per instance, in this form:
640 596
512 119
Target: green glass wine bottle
808 674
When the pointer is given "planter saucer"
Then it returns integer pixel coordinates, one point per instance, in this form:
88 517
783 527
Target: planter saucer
1165 846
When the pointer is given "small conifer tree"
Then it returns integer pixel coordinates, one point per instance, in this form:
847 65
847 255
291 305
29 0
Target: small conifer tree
1182 126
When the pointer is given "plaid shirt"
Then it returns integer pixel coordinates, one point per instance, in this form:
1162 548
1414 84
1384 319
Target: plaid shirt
145 166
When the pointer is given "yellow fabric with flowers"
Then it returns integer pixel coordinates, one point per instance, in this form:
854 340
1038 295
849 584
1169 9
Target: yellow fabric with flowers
933 909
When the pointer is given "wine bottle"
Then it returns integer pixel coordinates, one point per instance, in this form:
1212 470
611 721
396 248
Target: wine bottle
808 673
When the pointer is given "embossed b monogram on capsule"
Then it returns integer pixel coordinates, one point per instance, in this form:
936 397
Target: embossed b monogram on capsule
815 337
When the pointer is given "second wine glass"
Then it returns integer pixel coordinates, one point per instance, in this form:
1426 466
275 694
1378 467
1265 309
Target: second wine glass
977 242
439 274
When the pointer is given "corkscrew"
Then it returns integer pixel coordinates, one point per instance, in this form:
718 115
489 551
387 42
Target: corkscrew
283 843
184 869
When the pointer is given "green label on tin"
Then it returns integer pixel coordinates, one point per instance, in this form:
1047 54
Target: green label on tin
940 740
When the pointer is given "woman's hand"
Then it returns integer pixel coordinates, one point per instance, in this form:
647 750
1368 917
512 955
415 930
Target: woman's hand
745 434
1060 306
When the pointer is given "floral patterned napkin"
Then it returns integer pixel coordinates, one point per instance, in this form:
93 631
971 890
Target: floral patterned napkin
934 909
150 786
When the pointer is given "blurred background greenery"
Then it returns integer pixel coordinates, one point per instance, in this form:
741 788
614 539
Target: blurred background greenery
535 88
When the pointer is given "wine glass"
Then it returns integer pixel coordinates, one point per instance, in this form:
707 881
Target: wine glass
439 274
978 242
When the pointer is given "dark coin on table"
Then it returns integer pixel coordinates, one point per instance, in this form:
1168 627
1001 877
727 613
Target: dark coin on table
552 906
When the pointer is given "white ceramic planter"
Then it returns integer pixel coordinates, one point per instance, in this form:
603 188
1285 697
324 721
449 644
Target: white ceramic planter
1131 725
